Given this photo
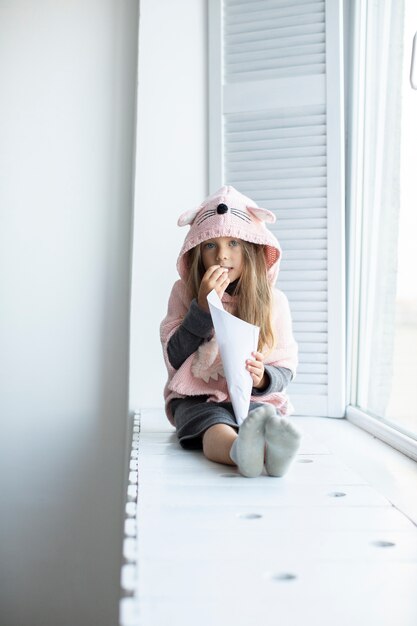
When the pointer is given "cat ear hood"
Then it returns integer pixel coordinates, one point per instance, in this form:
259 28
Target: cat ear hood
228 213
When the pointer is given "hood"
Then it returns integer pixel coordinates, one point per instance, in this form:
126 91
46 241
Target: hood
228 213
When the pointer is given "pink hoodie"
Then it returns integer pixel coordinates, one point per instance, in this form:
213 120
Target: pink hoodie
227 213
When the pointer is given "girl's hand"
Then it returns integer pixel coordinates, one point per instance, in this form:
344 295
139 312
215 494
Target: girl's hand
257 370
217 278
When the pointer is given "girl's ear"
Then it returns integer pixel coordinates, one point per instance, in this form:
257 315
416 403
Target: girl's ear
262 214
188 217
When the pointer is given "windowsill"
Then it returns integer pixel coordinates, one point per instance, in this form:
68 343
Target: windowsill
389 471
330 545
384 431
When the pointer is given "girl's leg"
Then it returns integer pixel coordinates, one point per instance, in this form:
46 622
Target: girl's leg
217 441
246 450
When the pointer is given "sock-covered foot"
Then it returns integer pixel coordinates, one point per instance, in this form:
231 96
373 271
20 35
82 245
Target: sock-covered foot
282 443
248 450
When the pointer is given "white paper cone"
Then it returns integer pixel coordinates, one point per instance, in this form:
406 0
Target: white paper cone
236 340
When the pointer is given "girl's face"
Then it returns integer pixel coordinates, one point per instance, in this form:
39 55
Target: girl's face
226 252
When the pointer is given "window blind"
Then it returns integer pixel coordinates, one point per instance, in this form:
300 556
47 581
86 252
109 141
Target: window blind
276 134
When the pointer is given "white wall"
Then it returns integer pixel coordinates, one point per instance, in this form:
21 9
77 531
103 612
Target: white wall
171 171
67 125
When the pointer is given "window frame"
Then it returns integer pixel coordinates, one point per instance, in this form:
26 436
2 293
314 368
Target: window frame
385 430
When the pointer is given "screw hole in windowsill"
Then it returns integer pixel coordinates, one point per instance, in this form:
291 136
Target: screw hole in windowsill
281 576
382 544
337 494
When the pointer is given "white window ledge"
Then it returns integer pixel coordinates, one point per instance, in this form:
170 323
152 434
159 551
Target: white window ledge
399 441
388 470
352 560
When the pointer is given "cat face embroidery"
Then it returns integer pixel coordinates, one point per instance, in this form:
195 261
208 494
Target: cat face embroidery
247 214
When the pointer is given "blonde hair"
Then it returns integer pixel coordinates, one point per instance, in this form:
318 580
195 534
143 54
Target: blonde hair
253 288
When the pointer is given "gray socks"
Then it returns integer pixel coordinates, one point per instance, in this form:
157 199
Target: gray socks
263 426
282 443
248 450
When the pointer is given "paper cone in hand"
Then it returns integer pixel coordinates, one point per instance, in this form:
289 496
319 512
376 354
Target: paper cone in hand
236 340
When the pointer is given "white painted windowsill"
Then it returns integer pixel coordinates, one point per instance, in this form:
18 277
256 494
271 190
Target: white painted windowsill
205 545
389 471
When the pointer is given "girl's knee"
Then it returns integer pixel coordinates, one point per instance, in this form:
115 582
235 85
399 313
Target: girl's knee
219 430
217 440
207 435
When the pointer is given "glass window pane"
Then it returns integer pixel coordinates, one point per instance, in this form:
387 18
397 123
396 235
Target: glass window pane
387 367
402 404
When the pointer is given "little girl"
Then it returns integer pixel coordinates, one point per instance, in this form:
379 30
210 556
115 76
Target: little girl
228 248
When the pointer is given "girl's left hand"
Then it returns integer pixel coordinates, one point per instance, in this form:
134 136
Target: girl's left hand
257 370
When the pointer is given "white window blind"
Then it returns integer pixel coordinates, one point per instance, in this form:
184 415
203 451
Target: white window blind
276 134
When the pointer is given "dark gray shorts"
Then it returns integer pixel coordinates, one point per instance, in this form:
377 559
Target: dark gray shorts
194 415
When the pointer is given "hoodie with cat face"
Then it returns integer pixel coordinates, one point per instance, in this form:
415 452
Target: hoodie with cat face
226 213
